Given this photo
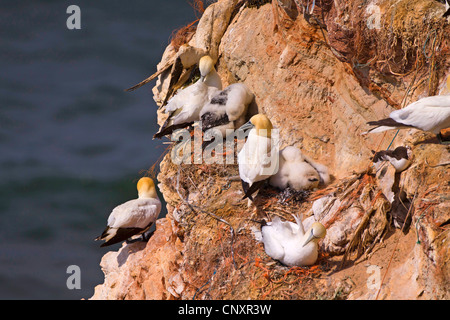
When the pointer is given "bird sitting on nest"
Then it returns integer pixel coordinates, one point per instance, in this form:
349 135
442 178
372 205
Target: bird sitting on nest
185 106
427 114
288 242
133 217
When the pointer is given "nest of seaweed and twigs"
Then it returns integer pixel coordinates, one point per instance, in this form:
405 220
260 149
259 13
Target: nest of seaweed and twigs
216 227
221 254
220 249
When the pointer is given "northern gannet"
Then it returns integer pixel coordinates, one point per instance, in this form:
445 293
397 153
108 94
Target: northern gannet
288 242
427 114
227 109
258 158
298 171
400 157
133 217
184 108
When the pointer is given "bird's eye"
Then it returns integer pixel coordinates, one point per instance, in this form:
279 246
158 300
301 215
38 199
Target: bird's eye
313 179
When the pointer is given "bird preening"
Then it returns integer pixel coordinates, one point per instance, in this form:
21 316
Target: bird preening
289 243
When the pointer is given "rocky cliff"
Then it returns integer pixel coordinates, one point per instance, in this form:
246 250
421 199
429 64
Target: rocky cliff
320 70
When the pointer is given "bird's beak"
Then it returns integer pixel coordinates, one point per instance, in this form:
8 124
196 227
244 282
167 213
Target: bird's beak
246 126
311 236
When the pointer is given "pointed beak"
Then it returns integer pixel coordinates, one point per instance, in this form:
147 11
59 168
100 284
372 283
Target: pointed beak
310 237
247 126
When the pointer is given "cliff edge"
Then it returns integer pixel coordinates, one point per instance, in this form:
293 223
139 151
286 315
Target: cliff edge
319 72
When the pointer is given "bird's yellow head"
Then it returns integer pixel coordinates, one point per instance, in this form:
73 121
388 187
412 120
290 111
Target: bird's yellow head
316 232
448 83
206 64
146 188
262 125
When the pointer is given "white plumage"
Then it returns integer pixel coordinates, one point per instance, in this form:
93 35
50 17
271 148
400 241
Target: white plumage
298 172
427 114
133 217
258 158
227 109
184 108
288 242
254 159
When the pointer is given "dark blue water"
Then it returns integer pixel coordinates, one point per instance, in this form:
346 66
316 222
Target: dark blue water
72 142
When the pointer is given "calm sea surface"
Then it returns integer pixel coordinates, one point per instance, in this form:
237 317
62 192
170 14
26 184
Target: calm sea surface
72 142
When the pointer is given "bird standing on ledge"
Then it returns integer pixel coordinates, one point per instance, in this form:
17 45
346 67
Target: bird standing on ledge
258 158
133 217
427 114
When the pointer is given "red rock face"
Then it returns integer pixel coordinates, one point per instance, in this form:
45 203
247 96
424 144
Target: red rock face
144 270
319 80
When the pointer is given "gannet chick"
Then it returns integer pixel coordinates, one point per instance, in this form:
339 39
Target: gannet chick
258 158
427 114
296 172
288 242
133 217
184 108
227 109
400 157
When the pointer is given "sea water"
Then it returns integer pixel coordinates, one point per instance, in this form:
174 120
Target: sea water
72 143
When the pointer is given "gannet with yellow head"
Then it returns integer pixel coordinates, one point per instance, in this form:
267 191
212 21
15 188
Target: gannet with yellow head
258 158
184 108
288 242
427 114
133 217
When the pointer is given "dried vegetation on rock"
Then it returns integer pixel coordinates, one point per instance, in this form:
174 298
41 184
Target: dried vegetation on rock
320 72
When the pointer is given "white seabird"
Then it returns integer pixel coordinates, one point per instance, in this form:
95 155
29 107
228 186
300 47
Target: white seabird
288 242
258 158
427 114
227 109
298 171
133 217
184 108
400 157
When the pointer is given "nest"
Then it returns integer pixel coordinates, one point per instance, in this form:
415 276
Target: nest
221 253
